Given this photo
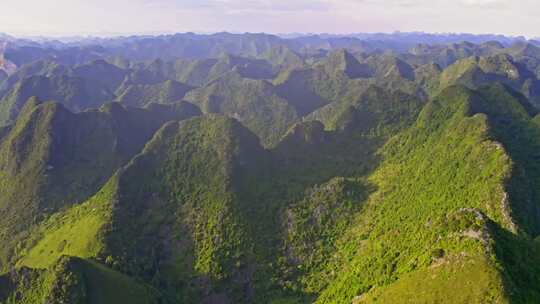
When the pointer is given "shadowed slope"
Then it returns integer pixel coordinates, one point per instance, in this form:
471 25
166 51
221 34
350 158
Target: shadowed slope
53 158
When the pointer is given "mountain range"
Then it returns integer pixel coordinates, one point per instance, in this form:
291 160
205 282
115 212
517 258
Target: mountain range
252 168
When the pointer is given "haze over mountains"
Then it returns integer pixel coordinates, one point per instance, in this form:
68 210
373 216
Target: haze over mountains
252 168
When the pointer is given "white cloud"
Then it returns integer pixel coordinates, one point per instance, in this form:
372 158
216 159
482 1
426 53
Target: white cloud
143 16
483 2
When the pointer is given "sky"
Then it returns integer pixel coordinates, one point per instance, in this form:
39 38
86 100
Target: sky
123 17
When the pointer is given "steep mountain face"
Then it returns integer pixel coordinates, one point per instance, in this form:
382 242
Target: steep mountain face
477 71
446 116
24 53
329 80
75 93
341 76
428 77
526 54
446 55
36 68
52 158
283 57
459 230
196 72
390 67
255 103
199 72
345 62
91 84
512 124
374 110
317 169
101 72
207 232
186 217
140 95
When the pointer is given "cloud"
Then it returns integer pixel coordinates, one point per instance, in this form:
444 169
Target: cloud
273 16
493 4
246 5
482 2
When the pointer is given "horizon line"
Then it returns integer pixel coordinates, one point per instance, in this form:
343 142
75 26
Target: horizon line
112 35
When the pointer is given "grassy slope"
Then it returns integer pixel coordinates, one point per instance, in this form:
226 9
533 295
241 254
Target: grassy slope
75 232
470 279
443 164
73 280
53 158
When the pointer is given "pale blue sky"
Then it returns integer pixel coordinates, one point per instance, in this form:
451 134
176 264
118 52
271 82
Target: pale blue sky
107 17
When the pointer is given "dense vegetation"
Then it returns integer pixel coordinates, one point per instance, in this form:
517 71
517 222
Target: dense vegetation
257 169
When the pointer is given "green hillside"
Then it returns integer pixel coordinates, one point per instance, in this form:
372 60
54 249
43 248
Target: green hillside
255 103
251 168
52 158
73 280
143 94
456 213
75 93
190 195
